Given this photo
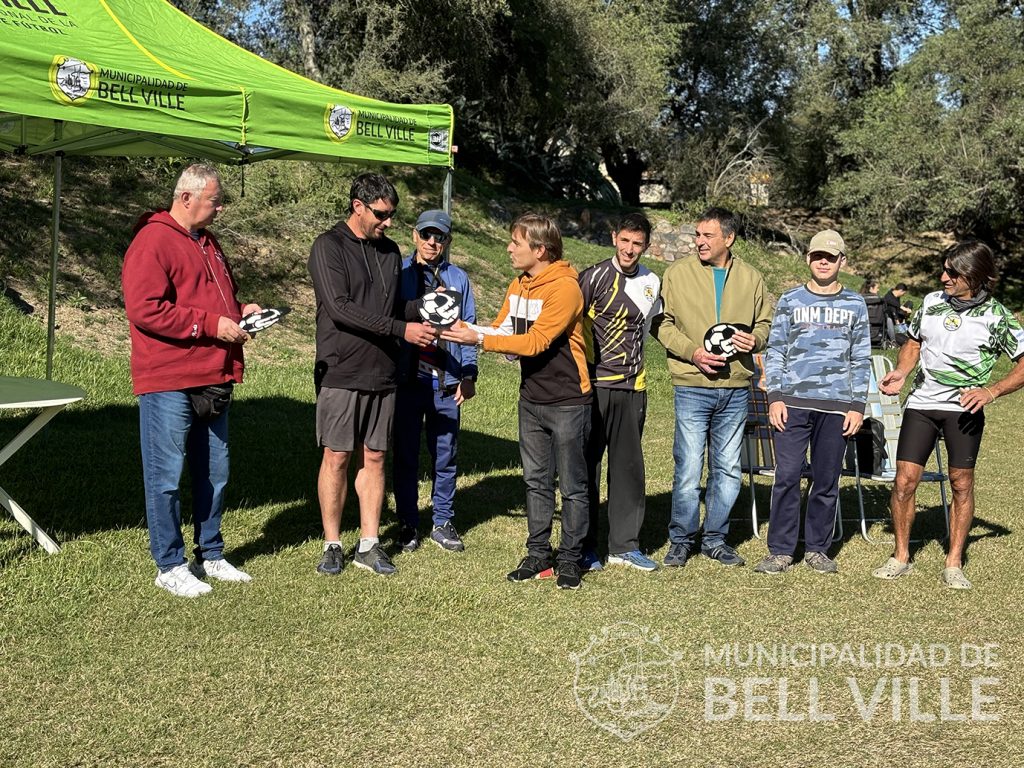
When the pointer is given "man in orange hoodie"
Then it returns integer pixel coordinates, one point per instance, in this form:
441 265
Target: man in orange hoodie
541 322
179 295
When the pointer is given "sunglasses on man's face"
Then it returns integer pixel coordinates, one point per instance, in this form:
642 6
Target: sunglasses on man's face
381 215
950 272
432 234
831 258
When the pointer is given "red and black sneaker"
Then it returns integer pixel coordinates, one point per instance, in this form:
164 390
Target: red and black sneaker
532 568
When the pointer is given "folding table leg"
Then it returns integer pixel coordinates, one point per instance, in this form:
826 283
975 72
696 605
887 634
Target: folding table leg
5 499
28 523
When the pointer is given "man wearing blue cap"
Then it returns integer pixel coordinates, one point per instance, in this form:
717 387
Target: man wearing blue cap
434 381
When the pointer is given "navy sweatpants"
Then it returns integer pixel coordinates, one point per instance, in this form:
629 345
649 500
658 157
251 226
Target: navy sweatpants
823 432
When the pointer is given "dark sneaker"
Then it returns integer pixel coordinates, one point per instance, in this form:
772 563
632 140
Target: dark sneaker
590 561
408 538
820 562
332 561
774 564
447 538
532 568
569 576
724 554
374 559
677 556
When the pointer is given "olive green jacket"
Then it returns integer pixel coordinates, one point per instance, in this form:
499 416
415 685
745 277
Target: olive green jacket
688 293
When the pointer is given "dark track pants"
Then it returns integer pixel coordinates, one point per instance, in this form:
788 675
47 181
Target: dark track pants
824 433
617 424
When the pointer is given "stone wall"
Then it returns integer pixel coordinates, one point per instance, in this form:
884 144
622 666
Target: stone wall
668 242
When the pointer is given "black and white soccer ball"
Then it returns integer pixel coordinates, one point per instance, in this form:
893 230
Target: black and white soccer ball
440 308
260 321
718 339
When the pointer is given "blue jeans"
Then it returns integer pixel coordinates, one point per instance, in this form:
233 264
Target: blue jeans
414 404
702 412
554 437
172 433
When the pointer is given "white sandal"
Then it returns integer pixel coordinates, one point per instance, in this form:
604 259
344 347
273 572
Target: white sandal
954 578
892 569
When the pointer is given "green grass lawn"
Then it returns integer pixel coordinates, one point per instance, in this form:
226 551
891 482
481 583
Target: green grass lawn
447 663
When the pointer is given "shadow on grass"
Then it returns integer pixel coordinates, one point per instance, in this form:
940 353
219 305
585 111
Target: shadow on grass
929 523
83 474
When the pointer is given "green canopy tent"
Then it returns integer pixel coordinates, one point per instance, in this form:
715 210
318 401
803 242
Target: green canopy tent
140 78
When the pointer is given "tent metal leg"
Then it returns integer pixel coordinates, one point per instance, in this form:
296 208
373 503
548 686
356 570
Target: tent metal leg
51 319
447 191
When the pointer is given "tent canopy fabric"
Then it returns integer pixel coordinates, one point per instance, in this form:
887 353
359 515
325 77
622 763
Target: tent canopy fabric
139 77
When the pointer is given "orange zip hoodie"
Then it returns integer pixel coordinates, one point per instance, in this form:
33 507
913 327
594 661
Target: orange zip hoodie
541 321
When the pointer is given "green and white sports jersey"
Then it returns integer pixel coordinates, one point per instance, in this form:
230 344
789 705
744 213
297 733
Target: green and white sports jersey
959 349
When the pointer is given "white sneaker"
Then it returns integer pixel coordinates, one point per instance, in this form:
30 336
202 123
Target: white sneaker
221 570
180 582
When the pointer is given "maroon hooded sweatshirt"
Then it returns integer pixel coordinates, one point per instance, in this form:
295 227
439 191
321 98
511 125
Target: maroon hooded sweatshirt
176 287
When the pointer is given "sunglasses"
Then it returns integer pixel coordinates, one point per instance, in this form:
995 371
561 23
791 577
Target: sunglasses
951 273
381 215
432 234
829 257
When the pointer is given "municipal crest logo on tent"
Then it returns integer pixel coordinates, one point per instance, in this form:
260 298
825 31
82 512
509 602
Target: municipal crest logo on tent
439 140
626 681
71 79
339 121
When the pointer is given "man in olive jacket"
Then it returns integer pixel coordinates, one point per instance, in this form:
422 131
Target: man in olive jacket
711 390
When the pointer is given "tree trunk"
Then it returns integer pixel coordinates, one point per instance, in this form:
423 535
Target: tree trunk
299 11
626 167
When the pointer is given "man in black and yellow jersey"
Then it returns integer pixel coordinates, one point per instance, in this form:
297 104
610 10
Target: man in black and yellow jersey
620 296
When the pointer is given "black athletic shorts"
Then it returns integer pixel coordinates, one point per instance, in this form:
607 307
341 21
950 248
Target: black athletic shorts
960 429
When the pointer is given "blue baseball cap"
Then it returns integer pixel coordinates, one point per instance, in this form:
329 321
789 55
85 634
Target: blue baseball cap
434 219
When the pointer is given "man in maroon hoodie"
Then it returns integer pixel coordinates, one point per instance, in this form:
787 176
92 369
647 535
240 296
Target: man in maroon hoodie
179 295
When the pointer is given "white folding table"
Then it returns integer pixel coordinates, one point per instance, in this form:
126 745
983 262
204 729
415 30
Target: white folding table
51 397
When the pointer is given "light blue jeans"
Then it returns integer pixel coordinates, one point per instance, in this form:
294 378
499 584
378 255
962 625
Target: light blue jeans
171 433
718 413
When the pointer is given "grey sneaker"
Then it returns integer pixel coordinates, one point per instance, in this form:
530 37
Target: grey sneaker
820 562
374 559
447 538
678 554
774 564
332 561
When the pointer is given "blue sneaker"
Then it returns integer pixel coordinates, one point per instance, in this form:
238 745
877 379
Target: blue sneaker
635 559
589 561
678 554
447 538
724 554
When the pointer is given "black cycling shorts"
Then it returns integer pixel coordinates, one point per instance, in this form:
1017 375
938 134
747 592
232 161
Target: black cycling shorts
960 429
